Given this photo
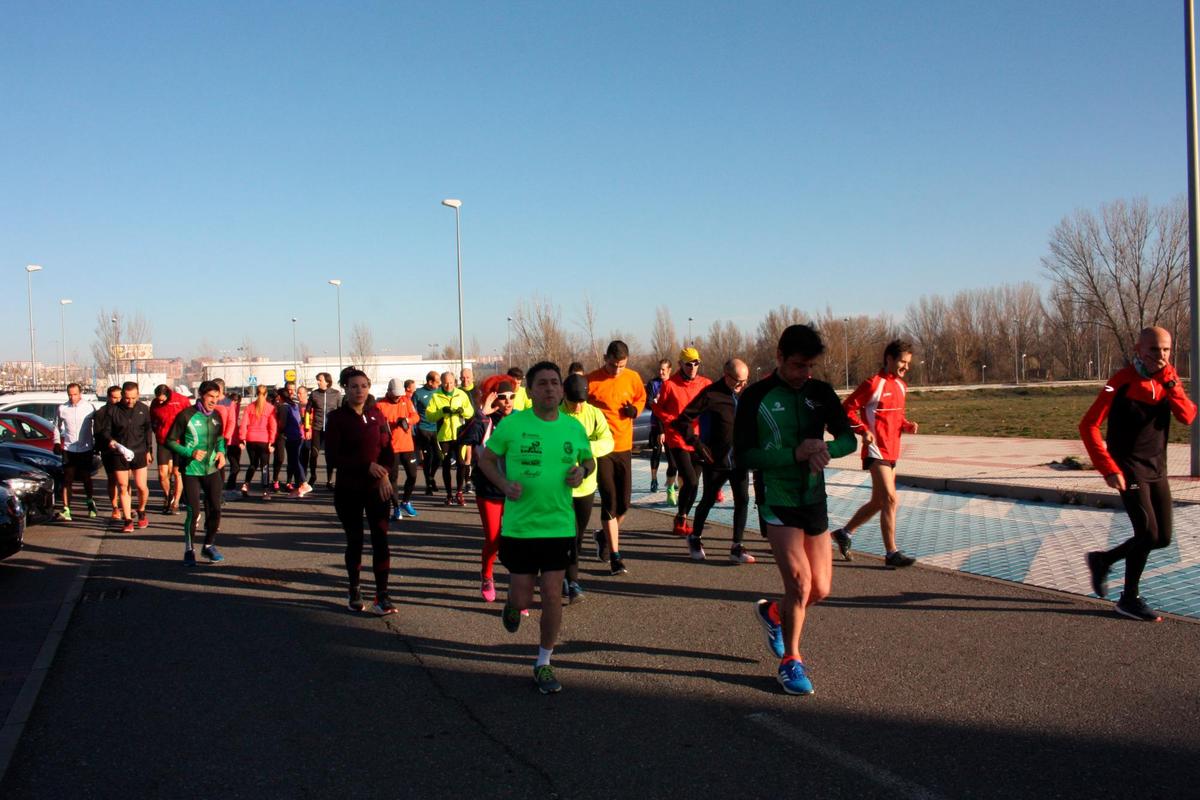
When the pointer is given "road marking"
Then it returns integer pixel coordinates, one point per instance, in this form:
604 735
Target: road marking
888 780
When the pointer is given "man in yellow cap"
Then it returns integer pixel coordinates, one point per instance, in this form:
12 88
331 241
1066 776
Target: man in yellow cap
677 391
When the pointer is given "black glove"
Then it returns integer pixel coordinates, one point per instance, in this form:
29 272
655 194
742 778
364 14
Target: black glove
629 411
404 425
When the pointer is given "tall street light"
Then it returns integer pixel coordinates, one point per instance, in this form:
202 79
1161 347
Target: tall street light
1016 353
62 308
457 206
29 270
846 348
691 341
337 284
508 343
295 361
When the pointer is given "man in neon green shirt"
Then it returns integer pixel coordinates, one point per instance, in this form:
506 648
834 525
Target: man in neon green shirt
537 457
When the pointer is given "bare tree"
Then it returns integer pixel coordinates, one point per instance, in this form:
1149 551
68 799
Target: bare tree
115 327
766 339
538 333
663 339
723 341
1127 269
592 349
362 347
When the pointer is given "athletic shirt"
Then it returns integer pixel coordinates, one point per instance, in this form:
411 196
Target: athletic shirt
880 399
609 393
772 419
673 397
538 454
596 427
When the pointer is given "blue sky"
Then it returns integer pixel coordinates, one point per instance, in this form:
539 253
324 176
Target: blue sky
212 165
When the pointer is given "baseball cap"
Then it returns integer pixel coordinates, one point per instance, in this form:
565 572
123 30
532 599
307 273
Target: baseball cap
689 354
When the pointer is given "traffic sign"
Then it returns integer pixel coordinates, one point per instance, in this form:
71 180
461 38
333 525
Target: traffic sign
252 380
289 376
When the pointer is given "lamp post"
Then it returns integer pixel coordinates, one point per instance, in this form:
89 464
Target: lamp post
1016 353
337 283
1023 367
1097 349
62 308
457 206
116 341
846 347
295 360
691 341
29 270
983 373
508 342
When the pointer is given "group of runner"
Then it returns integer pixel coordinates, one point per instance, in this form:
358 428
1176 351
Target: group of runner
534 461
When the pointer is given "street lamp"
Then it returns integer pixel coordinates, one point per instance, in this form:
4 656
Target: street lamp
1016 352
295 361
62 308
508 342
337 283
691 341
983 373
1023 366
116 341
846 347
29 270
457 206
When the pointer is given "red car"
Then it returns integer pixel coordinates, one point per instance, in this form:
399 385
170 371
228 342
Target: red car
29 429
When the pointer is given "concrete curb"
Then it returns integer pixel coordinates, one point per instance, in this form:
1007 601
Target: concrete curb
1036 493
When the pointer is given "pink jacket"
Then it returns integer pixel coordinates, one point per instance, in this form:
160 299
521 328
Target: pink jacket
258 429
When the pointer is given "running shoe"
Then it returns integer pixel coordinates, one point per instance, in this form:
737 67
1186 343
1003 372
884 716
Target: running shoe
1136 608
91 507
774 630
898 559
653 485
695 548
616 566
1098 567
127 527
673 495
842 539
566 586
172 509
487 588
543 677
116 515
63 515
383 606
459 499
601 546
720 495
407 508
329 486
189 558
429 491
574 592
143 520
511 618
356 601
211 552
740 555
449 500
679 528
266 497
396 514
166 509
289 487
275 486
245 490
794 678
303 489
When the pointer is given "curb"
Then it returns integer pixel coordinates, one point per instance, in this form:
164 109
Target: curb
1039 494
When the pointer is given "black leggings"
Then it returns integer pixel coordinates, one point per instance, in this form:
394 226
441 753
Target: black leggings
210 485
583 515
714 479
431 455
451 453
280 452
1148 505
351 502
689 479
656 453
233 459
315 445
259 458
408 462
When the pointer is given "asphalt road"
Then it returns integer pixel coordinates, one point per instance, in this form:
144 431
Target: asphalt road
250 679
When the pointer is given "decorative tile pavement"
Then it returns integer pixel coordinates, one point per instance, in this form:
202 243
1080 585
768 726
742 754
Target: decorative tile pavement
1039 544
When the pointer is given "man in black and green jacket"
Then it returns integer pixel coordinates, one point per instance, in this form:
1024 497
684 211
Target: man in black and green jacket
779 433
196 437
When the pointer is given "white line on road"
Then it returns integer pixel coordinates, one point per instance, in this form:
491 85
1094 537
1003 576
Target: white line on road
879 775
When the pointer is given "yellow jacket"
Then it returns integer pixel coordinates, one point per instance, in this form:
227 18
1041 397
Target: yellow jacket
441 404
593 421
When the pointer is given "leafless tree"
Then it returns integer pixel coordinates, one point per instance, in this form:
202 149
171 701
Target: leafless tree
664 342
723 341
1127 268
115 327
362 347
591 348
538 333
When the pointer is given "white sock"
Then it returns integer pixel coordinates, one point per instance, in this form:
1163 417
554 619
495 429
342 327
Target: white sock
543 656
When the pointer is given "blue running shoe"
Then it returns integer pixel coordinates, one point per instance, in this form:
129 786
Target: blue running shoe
407 508
793 677
189 558
396 514
211 552
774 632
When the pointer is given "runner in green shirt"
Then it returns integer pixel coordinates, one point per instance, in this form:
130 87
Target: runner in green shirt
536 458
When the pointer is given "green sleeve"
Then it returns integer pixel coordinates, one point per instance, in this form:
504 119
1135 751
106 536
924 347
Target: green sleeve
758 458
178 434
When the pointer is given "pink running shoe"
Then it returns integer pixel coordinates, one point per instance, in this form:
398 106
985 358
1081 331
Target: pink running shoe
488 589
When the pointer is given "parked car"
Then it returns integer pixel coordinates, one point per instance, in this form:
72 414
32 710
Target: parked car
21 428
34 487
12 523
641 429
44 404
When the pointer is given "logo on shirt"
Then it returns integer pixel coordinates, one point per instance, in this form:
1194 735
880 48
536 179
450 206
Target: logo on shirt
778 406
1109 389
813 406
534 449
568 448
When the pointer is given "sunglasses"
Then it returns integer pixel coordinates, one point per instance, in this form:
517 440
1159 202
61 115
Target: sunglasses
691 363
505 396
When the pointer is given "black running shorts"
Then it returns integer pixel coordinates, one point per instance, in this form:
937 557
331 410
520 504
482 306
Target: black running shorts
868 461
812 519
80 462
532 556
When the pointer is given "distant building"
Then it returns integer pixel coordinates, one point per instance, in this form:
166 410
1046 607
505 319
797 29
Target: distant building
243 374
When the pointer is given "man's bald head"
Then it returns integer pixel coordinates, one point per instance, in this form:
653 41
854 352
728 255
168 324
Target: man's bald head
1154 348
736 374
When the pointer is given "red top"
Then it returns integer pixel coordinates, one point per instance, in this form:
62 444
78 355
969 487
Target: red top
393 412
162 415
1139 412
877 405
673 398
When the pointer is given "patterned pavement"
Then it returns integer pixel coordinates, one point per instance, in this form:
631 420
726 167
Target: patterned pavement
1039 544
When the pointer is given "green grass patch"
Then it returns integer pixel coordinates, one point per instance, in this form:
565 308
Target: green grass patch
1031 412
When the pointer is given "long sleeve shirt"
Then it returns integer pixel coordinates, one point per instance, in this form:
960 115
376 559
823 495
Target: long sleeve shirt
610 393
877 406
353 442
73 427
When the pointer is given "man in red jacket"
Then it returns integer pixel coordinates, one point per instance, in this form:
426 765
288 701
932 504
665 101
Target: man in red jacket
1139 402
876 412
163 410
676 392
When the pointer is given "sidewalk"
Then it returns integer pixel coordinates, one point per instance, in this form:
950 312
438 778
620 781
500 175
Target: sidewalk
1018 469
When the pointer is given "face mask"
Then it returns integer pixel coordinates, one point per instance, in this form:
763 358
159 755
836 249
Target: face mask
1140 367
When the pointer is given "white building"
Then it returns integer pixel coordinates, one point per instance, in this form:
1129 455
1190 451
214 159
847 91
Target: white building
243 374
